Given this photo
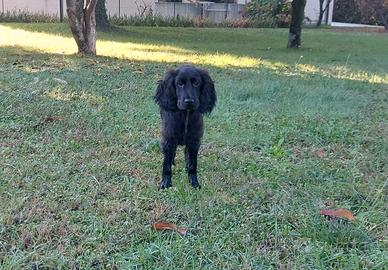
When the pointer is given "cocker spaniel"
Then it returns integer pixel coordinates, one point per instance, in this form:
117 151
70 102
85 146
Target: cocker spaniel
184 96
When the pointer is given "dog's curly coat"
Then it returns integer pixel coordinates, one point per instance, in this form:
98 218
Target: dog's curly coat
184 95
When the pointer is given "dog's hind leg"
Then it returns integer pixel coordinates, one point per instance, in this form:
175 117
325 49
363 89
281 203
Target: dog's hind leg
191 156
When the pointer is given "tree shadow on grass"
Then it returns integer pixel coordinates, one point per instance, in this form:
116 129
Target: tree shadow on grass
360 55
264 90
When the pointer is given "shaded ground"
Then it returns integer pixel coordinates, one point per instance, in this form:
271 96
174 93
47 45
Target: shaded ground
359 29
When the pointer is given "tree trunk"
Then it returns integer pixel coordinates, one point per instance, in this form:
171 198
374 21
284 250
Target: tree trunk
101 15
82 21
322 10
381 9
297 17
383 14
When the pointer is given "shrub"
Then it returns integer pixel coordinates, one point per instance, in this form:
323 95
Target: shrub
354 11
26 16
151 20
283 20
155 20
262 11
283 13
268 13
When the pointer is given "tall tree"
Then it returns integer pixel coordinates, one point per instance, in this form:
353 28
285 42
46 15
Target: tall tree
82 19
297 17
101 15
322 10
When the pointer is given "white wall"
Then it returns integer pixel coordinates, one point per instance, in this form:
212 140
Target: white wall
130 7
33 6
312 11
114 7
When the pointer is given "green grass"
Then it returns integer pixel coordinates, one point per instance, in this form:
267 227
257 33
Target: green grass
80 160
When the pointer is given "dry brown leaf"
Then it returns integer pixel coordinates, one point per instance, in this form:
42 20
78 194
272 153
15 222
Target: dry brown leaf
182 231
27 240
162 226
48 119
339 213
52 118
138 71
319 152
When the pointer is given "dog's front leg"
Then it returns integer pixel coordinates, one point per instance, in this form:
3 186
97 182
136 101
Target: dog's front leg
169 149
191 156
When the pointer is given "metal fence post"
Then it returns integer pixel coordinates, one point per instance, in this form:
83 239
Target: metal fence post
119 8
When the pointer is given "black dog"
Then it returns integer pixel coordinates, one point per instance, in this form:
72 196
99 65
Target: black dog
183 96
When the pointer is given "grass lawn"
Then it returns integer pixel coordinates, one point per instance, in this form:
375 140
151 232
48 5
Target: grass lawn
294 132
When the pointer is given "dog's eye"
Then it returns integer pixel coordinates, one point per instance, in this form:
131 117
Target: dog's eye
196 83
181 83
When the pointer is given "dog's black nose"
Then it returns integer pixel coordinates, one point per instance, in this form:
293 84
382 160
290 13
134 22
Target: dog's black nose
189 101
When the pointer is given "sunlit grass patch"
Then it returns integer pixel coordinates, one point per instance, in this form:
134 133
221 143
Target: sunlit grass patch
51 43
152 52
342 72
59 94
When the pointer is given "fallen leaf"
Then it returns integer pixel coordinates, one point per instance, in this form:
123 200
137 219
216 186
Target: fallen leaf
339 213
159 226
320 152
52 118
27 240
48 119
58 80
182 231
163 226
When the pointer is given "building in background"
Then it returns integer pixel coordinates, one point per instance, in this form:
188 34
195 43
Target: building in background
142 7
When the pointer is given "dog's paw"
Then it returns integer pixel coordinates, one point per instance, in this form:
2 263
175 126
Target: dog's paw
165 183
194 181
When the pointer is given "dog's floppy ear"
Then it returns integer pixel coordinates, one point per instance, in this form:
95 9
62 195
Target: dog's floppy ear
208 96
165 95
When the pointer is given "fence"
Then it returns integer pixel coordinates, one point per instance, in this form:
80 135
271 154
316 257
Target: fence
129 7
53 7
214 12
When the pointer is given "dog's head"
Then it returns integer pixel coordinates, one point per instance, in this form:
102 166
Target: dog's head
186 88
